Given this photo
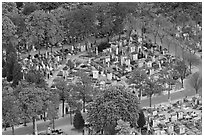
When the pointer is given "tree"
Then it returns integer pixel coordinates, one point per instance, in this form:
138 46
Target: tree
12 67
17 74
53 105
167 77
8 30
192 60
78 120
80 23
123 128
29 7
152 86
82 89
31 102
48 6
45 29
111 105
63 90
141 121
181 69
8 8
195 81
10 108
138 78
36 77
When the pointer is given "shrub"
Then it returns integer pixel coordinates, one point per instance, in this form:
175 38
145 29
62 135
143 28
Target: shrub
78 120
141 121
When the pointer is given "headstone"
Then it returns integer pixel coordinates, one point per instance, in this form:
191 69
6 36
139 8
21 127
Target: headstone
170 128
108 59
116 57
109 76
140 64
135 57
182 129
128 62
95 74
174 118
160 68
140 40
125 42
122 60
116 51
149 64
108 64
154 112
154 123
153 59
83 48
180 115
132 49
97 51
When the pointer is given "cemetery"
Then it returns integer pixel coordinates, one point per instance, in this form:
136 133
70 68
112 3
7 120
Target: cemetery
101 68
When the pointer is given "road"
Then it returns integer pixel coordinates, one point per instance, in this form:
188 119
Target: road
41 125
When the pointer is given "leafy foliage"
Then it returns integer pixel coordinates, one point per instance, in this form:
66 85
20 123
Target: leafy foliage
44 27
141 121
32 100
78 120
8 29
123 127
10 107
34 76
113 104
29 7
181 69
195 81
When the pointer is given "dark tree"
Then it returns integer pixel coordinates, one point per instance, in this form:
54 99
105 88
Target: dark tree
29 7
17 74
141 121
78 120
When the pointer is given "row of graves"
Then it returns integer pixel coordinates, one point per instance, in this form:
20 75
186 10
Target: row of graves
182 117
47 62
123 56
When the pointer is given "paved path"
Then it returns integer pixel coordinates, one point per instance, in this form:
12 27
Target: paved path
63 123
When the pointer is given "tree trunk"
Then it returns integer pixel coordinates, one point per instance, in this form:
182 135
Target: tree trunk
155 39
190 65
51 49
169 92
140 94
33 126
24 122
44 116
12 129
150 101
196 90
53 123
70 116
129 34
63 108
84 104
182 82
